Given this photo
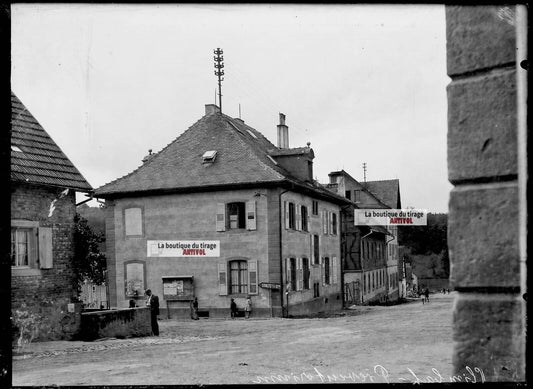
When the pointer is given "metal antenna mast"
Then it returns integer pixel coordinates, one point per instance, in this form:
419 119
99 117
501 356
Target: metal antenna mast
364 170
219 72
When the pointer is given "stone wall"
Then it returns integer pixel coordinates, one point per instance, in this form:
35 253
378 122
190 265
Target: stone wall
123 323
45 292
483 164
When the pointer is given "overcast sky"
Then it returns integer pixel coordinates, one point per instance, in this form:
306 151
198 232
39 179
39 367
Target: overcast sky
362 83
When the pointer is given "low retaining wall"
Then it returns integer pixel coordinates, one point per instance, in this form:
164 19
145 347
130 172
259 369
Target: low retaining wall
120 323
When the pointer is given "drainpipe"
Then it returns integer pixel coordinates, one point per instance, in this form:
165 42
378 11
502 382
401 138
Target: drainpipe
282 289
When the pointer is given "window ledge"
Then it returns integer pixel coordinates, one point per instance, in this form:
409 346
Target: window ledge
25 272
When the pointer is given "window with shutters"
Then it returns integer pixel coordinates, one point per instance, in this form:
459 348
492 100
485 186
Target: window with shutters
236 216
304 218
31 247
238 277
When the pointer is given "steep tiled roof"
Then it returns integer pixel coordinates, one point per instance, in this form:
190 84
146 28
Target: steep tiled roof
242 158
388 191
40 160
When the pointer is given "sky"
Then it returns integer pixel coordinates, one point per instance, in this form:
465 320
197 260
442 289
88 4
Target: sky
361 83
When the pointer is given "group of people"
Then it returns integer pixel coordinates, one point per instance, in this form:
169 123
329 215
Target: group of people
247 308
153 303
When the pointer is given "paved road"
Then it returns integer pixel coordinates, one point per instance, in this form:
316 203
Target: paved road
399 343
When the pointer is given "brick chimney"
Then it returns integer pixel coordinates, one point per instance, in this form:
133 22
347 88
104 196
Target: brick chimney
283 133
210 109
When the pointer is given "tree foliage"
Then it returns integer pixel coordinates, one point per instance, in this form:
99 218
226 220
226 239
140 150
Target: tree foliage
428 242
89 262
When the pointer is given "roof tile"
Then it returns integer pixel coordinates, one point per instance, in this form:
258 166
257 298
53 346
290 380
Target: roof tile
41 160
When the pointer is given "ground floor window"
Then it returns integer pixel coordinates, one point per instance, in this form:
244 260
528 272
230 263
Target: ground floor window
326 271
292 273
20 247
306 272
316 289
238 276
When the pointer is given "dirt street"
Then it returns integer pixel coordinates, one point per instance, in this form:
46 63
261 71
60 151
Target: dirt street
399 343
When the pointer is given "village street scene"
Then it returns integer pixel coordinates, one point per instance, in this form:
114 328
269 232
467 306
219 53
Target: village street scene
369 344
177 220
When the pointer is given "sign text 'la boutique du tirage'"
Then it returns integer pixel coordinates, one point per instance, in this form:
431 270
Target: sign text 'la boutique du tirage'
183 248
390 217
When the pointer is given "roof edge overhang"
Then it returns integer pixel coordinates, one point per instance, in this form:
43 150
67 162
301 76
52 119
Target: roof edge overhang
285 184
76 188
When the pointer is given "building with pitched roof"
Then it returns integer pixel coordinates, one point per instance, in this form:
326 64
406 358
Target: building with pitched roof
369 253
221 213
43 205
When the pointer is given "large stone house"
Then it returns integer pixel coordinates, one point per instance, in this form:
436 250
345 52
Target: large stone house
43 205
222 213
369 253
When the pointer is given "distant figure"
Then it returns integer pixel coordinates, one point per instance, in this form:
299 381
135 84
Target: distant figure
248 307
448 290
426 294
153 303
194 309
132 303
233 308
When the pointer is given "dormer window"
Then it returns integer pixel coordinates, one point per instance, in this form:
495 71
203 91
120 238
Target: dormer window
16 148
209 156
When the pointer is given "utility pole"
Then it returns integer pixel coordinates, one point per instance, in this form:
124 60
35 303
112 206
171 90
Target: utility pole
219 72
364 171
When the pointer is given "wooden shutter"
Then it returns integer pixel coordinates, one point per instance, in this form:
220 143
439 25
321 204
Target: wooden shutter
323 270
330 222
299 274
288 272
334 262
298 217
286 208
45 248
221 217
251 221
324 222
252 276
222 279
311 249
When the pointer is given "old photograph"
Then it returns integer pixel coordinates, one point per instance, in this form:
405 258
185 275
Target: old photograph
206 194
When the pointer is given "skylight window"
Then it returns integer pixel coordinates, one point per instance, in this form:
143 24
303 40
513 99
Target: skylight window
16 148
209 156
252 134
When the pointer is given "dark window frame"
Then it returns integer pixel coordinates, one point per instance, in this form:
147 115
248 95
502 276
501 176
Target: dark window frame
242 284
237 208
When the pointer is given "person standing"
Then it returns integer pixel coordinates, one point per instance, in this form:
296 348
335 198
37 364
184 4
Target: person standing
195 309
153 303
233 308
426 294
248 307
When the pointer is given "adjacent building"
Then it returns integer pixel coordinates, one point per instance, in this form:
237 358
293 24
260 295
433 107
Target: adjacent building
369 253
221 213
43 205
